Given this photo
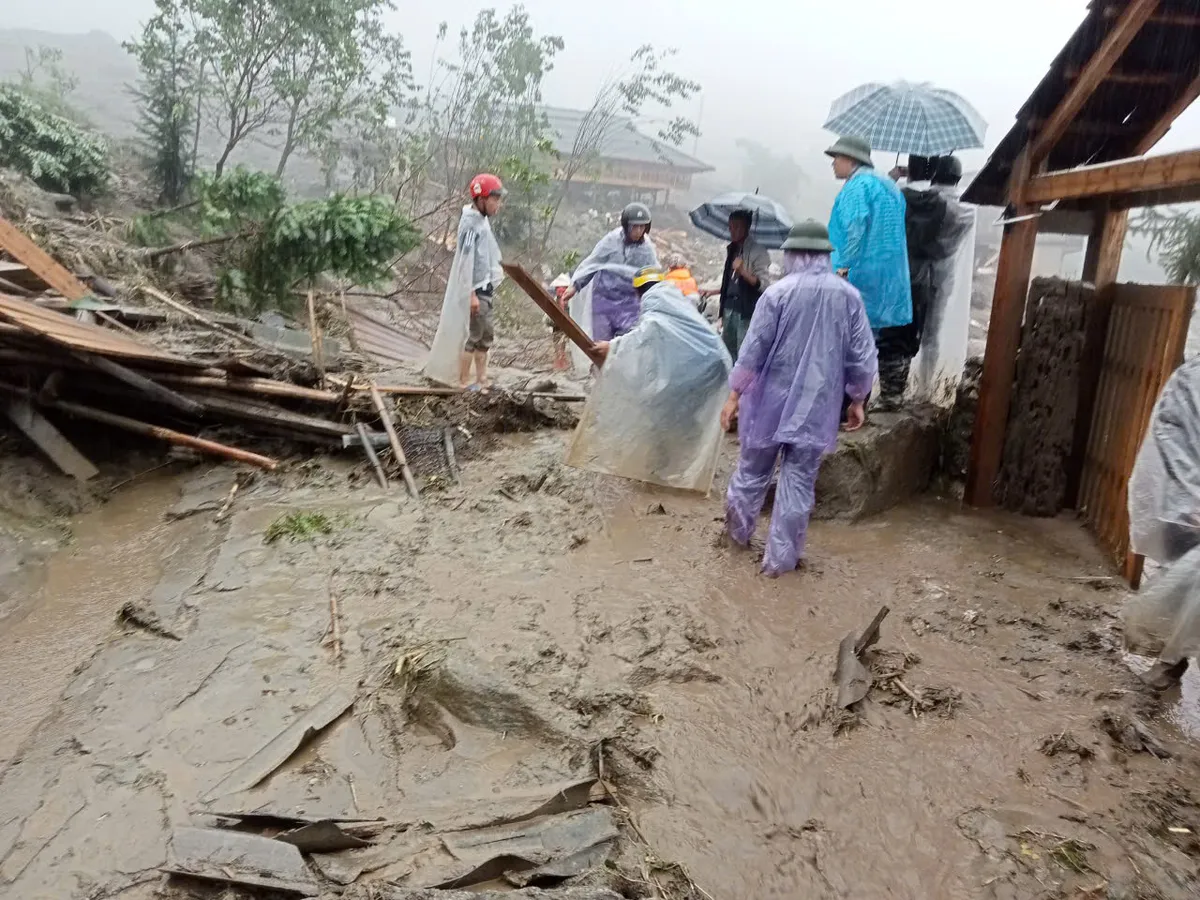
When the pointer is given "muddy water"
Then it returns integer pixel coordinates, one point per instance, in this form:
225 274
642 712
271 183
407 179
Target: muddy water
114 556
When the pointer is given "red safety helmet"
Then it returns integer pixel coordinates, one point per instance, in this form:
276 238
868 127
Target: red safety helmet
485 185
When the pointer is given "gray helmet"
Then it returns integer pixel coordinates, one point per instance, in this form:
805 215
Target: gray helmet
854 148
809 235
635 214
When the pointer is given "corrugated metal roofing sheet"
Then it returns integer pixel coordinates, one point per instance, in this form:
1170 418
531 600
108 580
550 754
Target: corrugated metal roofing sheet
70 332
383 341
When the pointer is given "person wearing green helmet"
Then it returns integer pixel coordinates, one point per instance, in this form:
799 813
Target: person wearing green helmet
871 250
809 345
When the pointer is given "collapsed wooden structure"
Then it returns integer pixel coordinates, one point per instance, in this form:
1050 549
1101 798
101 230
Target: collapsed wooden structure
170 372
1075 163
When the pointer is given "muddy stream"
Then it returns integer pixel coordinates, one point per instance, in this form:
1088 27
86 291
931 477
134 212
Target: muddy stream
553 617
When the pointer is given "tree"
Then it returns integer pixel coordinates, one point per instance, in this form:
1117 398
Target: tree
483 113
1175 236
166 100
344 73
269 247
55 152
620 101
46 81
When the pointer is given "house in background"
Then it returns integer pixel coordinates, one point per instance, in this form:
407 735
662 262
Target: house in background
631 165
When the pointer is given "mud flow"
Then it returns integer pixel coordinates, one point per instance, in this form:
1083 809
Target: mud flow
537 679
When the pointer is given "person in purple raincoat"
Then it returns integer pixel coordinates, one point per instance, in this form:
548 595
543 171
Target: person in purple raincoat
809 344
609 268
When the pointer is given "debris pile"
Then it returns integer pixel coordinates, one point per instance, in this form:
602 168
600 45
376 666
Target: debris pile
165 370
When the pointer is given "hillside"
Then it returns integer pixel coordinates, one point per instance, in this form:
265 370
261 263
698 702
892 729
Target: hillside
105 72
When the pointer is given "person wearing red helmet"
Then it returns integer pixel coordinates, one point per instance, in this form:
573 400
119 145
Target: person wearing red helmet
466 329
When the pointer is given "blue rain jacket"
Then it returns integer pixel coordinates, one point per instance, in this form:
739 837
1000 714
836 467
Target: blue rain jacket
867 231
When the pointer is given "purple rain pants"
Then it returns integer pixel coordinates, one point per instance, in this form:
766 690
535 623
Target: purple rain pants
793 502
615 306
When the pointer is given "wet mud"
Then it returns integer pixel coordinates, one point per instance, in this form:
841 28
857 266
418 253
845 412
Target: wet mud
536 640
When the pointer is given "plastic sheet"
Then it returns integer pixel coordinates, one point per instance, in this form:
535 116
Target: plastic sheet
938 366
1164 489
654 414
445 353
1164 516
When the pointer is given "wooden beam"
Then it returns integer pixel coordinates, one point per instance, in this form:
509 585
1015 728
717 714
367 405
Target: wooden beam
1000 358
1123 32
1101 266
1163 125
565 323
1147 78
1183 20
1087 126
49 439
39 262
1130 176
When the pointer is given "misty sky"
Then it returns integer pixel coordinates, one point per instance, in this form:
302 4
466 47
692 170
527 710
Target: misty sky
769 70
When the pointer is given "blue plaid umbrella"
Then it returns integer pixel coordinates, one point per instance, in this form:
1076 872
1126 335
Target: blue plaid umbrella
908 118
771 221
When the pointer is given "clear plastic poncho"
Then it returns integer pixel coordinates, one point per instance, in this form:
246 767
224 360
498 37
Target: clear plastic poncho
655 412
605 303
808 346
938 366
1164 523
445 354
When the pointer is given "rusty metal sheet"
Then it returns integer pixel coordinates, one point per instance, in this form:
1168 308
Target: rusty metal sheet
67 331
381 340
18 245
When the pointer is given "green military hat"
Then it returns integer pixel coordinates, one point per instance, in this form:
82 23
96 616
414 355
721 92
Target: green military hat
808 235
854 148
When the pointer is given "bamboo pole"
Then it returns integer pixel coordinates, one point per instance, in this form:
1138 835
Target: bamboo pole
380 475
394 439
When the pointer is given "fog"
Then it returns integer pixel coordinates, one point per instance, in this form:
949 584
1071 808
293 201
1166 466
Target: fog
768 71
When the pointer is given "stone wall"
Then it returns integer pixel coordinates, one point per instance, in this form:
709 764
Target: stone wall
1041 419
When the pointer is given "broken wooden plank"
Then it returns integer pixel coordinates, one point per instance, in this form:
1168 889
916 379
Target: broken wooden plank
394 439
380 475
259 767
564 322
49 439
871 634
18 245
252 410
208 322
154 431
142 383
231 857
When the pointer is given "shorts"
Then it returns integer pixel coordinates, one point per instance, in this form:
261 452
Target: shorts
482 332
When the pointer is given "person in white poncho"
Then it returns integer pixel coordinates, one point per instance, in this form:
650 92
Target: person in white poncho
466 329
1164 525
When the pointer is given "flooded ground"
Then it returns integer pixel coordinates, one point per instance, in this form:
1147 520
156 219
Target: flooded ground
535 627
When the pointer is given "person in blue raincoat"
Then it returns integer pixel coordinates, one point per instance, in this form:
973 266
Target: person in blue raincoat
871 250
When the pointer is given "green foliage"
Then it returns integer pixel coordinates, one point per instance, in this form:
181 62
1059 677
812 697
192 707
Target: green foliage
354 238
240 200
303 526
57 154
1175 237
166 100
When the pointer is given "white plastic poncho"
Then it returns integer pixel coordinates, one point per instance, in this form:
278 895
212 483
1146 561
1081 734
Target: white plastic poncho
1164 523
614 258
445 354
655 412
938 366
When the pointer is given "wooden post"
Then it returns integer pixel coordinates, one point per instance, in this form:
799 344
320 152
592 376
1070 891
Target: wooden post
394 439
1000 358
1100 267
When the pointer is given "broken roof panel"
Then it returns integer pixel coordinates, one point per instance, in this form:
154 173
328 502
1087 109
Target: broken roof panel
69 332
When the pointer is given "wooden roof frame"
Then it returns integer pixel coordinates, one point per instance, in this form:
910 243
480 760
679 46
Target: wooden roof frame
1110 190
